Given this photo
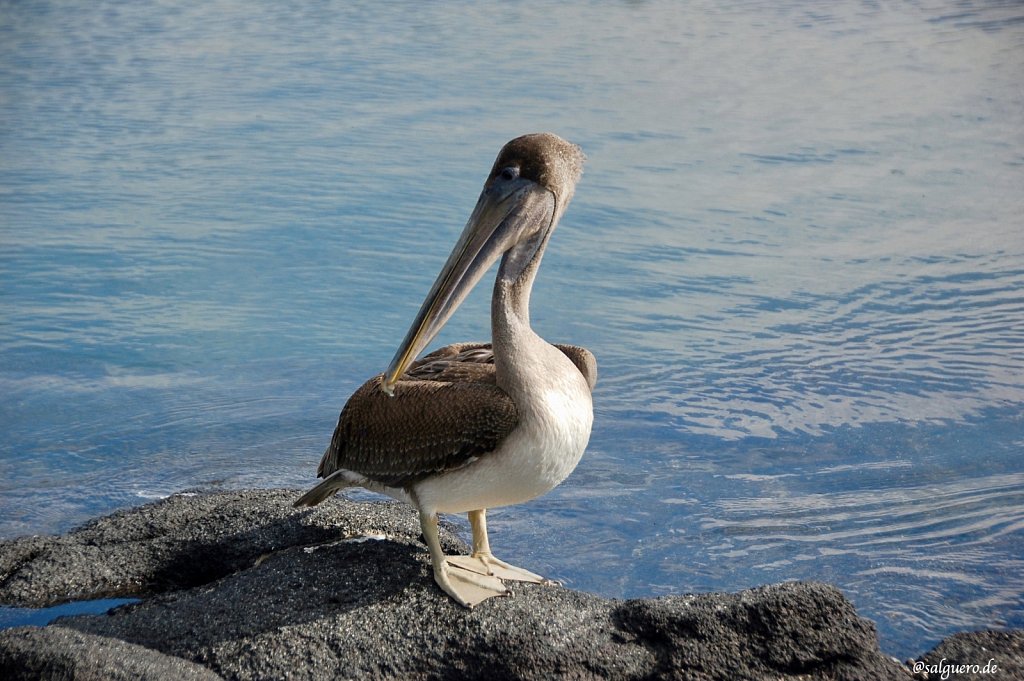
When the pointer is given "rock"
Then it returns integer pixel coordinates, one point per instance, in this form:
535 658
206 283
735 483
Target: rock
182 541
974 655
31 653
242 586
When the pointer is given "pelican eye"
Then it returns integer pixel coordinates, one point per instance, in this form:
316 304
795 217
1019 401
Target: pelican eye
509 172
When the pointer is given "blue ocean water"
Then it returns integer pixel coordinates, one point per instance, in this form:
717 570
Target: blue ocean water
797 252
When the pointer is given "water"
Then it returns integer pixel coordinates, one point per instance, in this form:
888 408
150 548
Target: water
796 251
39 617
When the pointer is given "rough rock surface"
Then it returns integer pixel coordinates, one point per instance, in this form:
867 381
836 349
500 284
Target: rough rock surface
186 540
59 653
239 585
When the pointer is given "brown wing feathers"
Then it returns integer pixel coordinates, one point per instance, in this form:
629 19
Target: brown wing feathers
446 412
426 428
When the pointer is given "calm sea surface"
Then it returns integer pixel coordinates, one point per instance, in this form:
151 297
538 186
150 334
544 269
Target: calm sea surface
797 251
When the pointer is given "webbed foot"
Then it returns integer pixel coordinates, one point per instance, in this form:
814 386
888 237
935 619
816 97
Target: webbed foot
486 564
468 587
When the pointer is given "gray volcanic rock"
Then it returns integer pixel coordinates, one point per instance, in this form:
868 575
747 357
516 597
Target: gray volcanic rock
32 653
185 540
242 586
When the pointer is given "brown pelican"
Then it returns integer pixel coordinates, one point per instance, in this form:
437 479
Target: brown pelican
474 426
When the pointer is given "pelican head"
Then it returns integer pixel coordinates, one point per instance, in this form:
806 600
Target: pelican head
528 189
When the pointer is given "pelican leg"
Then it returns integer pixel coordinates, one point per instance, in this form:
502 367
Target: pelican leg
483 562
467 588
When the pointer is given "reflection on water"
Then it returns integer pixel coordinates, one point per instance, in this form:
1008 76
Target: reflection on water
796 252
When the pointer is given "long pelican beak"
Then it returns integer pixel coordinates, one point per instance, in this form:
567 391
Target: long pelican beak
507 212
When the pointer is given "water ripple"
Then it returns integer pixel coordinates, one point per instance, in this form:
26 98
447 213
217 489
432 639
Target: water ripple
945 516
930 347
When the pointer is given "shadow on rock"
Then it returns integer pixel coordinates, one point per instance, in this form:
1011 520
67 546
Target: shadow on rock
184 541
